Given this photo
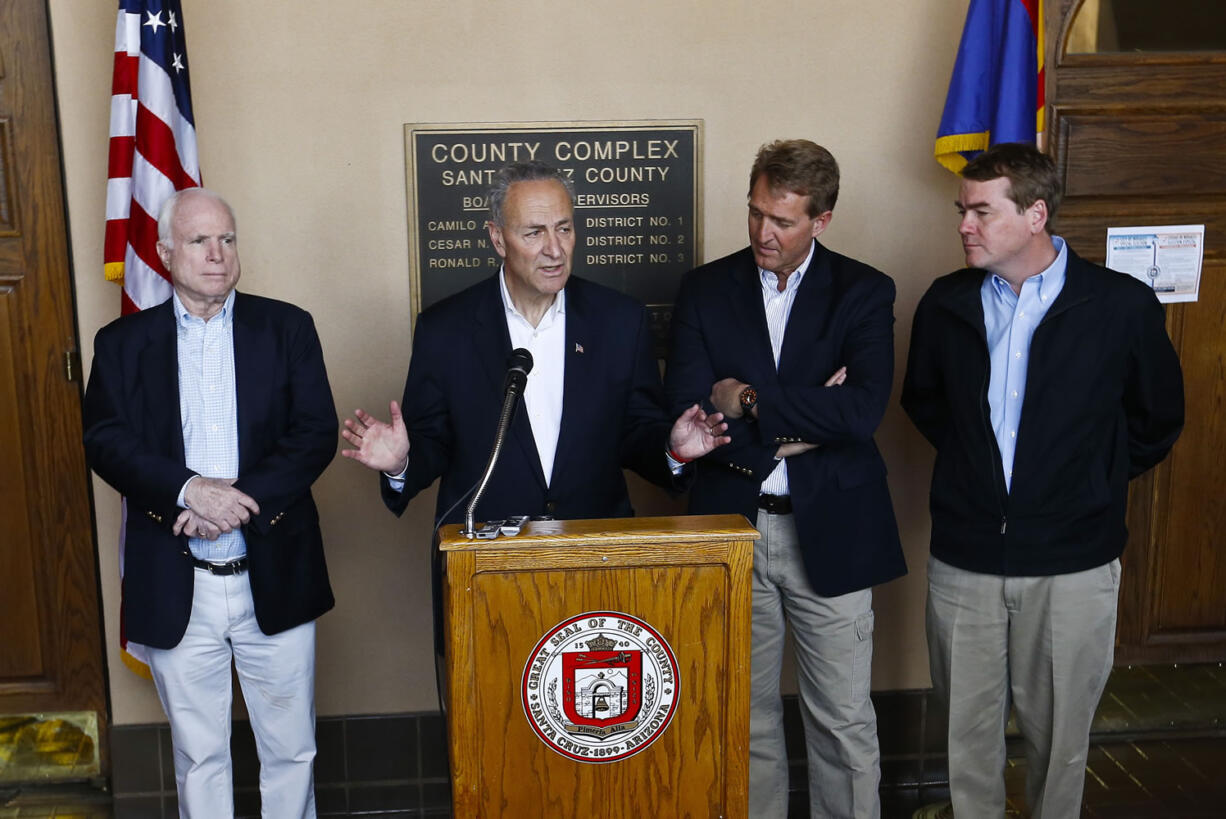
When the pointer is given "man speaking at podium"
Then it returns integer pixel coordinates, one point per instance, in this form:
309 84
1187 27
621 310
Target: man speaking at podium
593 401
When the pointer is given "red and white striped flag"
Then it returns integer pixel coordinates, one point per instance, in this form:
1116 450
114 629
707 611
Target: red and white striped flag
153 144
152 154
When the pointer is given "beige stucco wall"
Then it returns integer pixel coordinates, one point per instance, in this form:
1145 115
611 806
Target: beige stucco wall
299 109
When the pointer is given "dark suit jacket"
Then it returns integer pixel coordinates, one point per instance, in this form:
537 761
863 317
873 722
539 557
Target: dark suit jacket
843 315
612 409
287 432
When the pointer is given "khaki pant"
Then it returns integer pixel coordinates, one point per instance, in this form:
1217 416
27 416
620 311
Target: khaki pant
833 637
1041 644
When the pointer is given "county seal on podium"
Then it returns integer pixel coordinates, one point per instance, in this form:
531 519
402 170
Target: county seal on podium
600 686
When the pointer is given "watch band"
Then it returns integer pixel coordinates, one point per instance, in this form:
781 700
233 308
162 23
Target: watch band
749 399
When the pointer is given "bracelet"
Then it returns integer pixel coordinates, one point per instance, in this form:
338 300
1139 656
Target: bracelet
672 454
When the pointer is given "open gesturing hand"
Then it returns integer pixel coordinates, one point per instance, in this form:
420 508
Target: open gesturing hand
378 444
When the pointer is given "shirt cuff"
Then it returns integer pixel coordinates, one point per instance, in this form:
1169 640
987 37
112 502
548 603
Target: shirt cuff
182 503
396 482
674 465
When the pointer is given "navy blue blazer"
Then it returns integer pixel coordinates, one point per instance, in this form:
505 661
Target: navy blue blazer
843 315
613 412
287 433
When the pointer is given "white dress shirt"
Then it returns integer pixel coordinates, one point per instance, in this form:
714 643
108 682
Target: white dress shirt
543 394
778 311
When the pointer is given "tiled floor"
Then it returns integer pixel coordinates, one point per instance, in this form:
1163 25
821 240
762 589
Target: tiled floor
1159 751
61 802
1157 779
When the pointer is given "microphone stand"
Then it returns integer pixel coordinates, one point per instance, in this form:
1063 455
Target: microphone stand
504 422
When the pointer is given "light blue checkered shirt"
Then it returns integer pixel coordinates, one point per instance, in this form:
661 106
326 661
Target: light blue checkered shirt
208 407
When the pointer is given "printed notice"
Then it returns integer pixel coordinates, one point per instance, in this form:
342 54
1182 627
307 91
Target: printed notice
1166 257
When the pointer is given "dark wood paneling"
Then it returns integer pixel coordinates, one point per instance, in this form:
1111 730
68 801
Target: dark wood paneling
1122 154
8 204
1183 80
1191 575
1084 223
51 651
22 656
1140 139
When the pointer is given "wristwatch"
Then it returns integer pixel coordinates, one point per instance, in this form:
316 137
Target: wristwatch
749 400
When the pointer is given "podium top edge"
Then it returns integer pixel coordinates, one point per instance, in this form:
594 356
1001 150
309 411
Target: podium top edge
673 529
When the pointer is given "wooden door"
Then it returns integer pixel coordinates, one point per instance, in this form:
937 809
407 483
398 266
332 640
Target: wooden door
1138 130
51 650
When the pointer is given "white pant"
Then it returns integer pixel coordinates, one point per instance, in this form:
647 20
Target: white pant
833 637
1042 644
277 673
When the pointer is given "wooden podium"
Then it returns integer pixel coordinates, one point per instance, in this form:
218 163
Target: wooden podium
600 668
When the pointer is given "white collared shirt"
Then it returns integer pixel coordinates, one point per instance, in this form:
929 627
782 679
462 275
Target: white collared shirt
543 394
778 311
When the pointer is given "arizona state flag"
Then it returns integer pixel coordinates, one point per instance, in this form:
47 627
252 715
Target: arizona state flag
996 91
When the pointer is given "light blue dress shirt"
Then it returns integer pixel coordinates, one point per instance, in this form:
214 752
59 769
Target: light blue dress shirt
1010 320
208 407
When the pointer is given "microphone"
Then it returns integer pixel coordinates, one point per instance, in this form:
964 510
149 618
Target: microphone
518 366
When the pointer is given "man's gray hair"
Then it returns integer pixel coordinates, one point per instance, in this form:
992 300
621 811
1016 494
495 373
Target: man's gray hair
166 216
532 171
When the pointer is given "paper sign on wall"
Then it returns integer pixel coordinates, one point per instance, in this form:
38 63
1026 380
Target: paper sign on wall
1166 257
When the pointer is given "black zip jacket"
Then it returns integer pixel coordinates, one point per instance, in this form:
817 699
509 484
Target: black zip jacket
1103 403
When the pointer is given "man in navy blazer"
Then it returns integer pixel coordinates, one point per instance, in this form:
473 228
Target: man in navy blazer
794 344
593 403
211 413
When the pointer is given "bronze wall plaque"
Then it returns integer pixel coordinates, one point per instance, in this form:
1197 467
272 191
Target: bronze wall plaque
638 210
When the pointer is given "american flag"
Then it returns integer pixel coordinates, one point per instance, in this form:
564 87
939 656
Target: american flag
152 154
153 144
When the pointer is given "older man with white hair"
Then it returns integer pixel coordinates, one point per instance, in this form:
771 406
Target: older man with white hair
224 561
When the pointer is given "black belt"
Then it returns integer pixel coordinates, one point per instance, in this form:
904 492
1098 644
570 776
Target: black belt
233 567
775 504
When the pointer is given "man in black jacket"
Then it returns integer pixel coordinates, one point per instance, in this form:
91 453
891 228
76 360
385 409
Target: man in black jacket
212 414
794 344
1045 383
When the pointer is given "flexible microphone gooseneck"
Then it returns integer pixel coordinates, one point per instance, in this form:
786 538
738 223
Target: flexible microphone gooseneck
518 367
